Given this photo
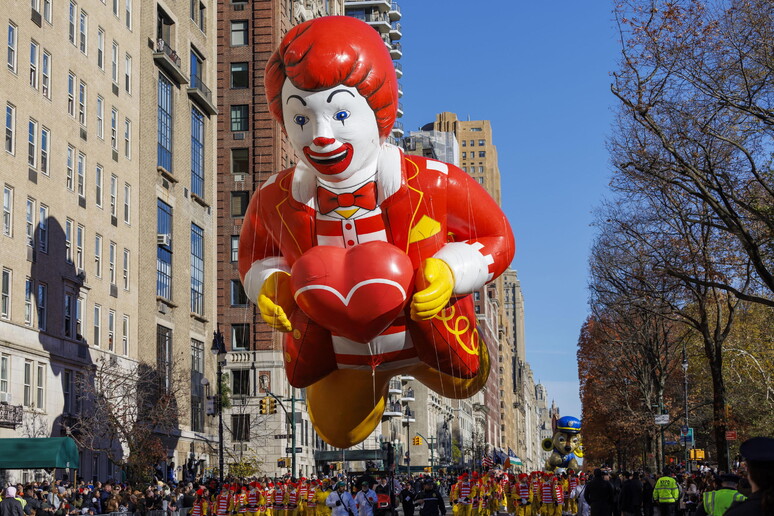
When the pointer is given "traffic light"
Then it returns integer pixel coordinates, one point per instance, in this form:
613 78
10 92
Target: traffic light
272 406
417 441
265 405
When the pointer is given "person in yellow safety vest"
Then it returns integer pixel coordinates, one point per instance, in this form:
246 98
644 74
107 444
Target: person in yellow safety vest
666 493
716 503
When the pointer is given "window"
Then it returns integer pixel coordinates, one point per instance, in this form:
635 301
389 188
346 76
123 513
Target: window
125 335
127 203
68 315
197 152
5 294
114 129
197 270
98 255
464 142
79 236
239 121
45 144
127 138
7 210
197 67
82 103
239 76
81 174
128 73
115 8
32 143
40 386
28 383
240 427
83 29
47 10
238 33
79 318
197 389
100 117
112 263
240 161
46 72
98 185
101 48
238 295
114 62
234 248
71 94
70 167
129 14
240 336
111 330
13 35
481 171
240 379
68 391
29 221
472 143
43 229
5 369
69 241
10 128
164 250
27 302
34 49
125 269
42 292
202 17
464 155
71 14
164 355
164 158
239 202
481 143
97 324
113 193
481 154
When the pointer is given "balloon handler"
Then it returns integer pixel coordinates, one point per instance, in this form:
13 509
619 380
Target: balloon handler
565 446
366 258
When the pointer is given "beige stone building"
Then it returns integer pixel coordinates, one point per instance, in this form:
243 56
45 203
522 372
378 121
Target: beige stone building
108 118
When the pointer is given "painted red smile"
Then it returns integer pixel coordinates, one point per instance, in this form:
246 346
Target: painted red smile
330 163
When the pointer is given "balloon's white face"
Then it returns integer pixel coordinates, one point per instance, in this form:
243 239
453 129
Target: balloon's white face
334 130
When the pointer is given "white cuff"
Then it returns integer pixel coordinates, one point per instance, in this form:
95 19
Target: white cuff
259 272
469 266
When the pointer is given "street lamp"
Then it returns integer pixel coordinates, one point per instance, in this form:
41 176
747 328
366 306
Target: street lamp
685 392
219 350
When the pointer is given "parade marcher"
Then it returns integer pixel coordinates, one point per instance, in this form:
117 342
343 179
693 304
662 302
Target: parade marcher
223 501
366 500
292 499
341 502
717 502
577 495
321 496
407 495
198 506
521 496
570 503
311 498
666 493
758 453
278 500
600 495
430 501
630 500
535 486
253 500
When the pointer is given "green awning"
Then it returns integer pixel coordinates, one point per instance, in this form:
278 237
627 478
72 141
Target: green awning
44 452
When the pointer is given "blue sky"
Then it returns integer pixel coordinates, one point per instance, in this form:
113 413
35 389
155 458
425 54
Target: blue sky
540 71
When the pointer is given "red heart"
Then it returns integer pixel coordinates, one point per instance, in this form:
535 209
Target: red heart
355 292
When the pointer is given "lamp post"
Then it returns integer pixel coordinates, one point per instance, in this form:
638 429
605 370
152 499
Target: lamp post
685 392
219 350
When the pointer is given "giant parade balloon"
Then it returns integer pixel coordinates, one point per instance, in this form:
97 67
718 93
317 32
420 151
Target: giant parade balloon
364 257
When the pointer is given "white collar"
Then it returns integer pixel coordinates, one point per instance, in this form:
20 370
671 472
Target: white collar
388 177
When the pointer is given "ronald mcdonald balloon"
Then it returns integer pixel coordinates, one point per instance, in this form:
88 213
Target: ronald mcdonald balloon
364 257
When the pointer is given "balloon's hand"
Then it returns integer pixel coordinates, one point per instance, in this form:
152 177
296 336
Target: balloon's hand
435 284
275 301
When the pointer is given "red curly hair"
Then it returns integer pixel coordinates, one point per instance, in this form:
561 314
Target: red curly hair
331 51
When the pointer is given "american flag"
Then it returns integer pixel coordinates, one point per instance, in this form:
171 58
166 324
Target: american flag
487 461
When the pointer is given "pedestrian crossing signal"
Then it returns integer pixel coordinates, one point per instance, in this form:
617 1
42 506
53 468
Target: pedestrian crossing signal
697 454
417 441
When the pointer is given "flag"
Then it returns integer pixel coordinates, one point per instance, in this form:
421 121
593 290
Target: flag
487 461
513 458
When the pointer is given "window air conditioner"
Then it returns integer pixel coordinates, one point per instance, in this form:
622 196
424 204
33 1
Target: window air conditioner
164 239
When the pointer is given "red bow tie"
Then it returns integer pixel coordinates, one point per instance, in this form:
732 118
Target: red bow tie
364 197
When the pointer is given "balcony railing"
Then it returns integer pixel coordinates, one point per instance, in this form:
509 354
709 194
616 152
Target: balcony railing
199 92
166 57
392 410
396 50
395 31
408 395
10 415
395 11
394 387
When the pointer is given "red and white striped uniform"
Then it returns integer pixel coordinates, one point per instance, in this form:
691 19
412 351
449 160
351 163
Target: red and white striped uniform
573 483
547 493
197 509
253 498
393 348
559 493
310 501
292 498
223 503
240 502
524 492
279 498
465 489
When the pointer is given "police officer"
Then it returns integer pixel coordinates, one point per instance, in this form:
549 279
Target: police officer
758 453
716 503
430 500
666 493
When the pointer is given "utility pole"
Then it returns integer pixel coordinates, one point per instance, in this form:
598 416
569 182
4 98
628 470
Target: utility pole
219 350
431 446
685 393
289 418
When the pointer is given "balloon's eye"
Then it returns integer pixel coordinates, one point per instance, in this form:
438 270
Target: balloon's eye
301 120
341 115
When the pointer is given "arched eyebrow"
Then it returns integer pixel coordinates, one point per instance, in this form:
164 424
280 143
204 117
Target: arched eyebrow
302 100
339 91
